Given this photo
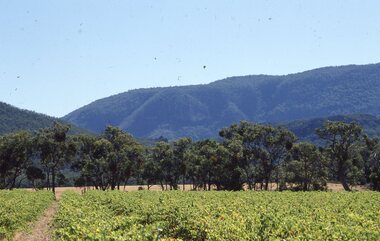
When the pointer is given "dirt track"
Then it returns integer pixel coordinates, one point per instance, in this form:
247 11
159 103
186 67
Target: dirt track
42 229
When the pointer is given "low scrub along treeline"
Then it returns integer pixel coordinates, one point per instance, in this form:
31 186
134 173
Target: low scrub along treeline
248 155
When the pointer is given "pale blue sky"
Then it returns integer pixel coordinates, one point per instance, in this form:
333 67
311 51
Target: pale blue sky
56 56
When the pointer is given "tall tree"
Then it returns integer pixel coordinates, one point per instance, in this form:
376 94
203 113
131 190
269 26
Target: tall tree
55 149
342 142
109 160
127 156
264 148
306 168
180 149
372 166
15 156
36 176
162 153
210 165
151 170
93 162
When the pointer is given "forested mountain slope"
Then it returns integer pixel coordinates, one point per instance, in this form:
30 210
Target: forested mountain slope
305 129
14 119
200 111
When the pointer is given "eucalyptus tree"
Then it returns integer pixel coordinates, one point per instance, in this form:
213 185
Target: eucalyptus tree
263 149
180 149
36 176
16 152
372 162
55 149
306 168
126 157
109 160
342 148
239 165
374 175
162 154
94 156
210 165
151 171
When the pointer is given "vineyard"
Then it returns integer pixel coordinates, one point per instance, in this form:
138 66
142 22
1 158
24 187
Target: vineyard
19 208
218 216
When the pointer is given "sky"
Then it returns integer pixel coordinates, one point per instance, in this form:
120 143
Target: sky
56 56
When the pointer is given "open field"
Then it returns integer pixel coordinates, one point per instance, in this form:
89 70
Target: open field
335 187
218 216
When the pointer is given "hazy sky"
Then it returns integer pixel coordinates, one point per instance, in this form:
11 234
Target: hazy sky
56 56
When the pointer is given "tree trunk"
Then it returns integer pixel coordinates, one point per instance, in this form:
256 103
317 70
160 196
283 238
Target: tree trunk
343 180
47 180
53 180
267 180
305 186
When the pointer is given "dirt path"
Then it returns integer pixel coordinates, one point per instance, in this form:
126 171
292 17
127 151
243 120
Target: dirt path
42 229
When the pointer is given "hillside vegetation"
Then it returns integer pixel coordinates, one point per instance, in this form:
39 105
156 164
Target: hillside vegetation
305 129
199 111
13 119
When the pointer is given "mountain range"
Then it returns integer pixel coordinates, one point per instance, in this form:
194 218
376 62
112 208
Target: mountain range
200 111
14 119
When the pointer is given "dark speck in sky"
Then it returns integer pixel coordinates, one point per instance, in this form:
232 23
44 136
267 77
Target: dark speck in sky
18 77
204 66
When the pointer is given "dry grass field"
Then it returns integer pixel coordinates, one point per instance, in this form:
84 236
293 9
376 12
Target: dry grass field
334 187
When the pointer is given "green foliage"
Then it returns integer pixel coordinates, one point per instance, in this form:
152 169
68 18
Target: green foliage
250 155
343 142
305 169
218 216
20 207
169 171
373 163
15 156
262 149
208 165
108 161
36 176
55 149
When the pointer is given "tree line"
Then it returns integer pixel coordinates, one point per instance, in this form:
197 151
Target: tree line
247 156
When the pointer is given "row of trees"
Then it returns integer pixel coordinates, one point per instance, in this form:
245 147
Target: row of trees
251 156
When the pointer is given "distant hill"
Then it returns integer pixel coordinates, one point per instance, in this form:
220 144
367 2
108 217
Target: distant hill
305 129
200 111
14 119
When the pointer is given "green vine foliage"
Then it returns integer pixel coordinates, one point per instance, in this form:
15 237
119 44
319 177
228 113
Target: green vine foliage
116 215
19 208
